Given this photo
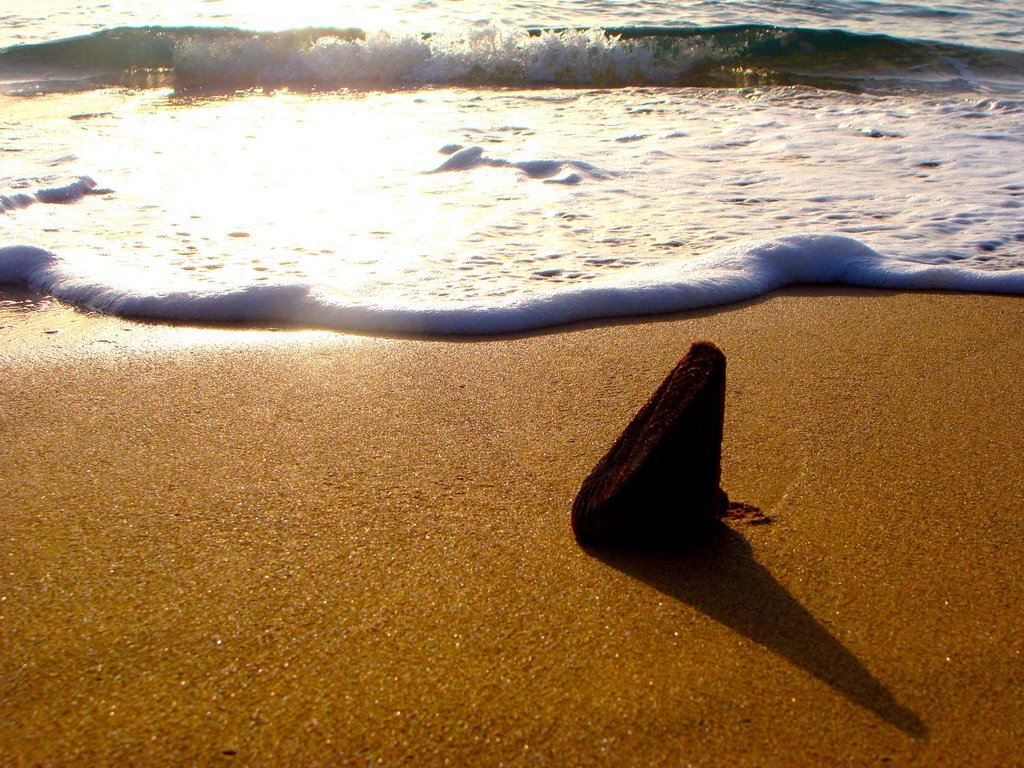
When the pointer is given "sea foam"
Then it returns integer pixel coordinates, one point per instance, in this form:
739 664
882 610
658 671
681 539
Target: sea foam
469 158
69 192
729 275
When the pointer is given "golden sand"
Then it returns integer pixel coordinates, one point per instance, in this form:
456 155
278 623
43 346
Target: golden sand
312 548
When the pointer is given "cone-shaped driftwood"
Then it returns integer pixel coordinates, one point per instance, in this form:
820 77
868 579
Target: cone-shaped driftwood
660 480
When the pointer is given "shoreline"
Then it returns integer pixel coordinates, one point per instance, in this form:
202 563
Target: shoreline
312 547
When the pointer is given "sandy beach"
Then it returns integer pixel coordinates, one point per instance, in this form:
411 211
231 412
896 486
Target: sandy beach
310 548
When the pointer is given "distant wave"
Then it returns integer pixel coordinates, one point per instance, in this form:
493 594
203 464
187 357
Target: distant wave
728 275
505 55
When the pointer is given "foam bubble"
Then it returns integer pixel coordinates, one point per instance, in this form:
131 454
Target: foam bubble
70 192
473 157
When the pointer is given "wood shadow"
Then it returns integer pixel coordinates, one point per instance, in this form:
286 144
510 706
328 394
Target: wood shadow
721 578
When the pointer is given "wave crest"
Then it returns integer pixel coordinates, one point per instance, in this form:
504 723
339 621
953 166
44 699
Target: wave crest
495 54
507 55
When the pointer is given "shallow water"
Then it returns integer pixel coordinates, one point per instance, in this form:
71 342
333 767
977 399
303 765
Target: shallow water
998 24
371 183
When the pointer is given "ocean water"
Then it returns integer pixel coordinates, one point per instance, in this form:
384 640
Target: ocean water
451 167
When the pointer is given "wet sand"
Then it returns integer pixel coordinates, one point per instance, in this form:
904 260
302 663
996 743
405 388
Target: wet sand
312 548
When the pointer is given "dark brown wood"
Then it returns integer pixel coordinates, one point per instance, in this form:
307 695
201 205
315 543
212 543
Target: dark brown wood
660 481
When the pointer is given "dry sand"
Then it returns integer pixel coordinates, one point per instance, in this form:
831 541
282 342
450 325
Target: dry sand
312 548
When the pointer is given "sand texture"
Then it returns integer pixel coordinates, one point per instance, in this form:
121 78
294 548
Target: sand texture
311 548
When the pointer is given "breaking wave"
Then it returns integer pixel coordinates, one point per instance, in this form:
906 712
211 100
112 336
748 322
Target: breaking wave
506 55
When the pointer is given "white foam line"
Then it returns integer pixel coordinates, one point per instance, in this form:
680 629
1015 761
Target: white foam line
725 276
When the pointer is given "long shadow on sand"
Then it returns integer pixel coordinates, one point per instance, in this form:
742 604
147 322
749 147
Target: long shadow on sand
722 579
